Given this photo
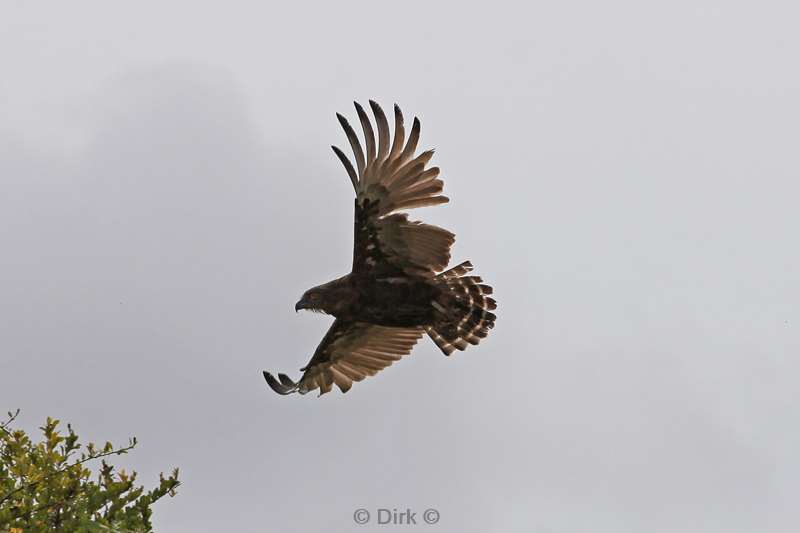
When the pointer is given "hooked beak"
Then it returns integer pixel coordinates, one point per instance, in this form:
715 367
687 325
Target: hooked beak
302 304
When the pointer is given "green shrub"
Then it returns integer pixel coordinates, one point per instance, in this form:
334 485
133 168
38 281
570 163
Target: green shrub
48 485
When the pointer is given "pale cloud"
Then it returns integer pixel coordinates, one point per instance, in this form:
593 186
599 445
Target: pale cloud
626 180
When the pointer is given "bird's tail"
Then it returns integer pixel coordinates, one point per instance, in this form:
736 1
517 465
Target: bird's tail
462 310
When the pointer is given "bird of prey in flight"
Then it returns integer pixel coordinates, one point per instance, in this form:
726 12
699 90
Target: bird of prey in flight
398 288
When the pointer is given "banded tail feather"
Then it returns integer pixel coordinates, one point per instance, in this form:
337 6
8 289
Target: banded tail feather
463 310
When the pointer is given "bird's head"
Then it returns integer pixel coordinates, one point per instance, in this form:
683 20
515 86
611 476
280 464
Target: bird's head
313 300
330 298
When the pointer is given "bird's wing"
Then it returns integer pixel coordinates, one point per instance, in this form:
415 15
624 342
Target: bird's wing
349 352
388 177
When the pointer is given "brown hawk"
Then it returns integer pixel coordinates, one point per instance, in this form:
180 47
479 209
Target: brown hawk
396 290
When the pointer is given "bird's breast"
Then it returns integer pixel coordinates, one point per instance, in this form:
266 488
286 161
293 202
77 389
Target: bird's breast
395 301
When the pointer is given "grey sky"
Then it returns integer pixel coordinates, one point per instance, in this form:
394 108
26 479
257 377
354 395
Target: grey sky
625 175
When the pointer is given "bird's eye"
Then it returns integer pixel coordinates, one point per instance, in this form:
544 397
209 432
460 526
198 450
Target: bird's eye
313 297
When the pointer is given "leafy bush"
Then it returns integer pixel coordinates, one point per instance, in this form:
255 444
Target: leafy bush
47 486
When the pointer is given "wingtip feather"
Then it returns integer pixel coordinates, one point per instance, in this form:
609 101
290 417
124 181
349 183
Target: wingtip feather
277 386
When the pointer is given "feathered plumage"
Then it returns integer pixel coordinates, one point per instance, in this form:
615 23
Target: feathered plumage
396 290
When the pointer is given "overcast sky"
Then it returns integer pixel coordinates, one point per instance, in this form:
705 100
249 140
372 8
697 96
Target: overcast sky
625 176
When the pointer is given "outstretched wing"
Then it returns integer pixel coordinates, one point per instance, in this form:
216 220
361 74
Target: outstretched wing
389 177
349 352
